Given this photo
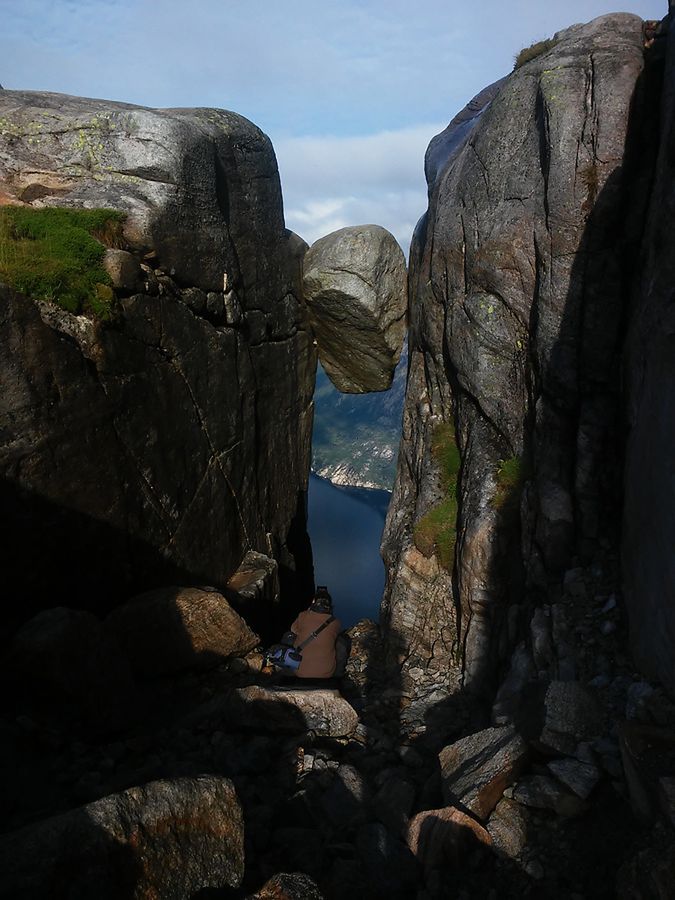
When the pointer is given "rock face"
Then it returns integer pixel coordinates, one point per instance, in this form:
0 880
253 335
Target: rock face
519 277
165 839
355 287
159 446
649 509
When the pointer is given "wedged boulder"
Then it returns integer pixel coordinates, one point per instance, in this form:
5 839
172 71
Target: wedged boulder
435 837
65 662
288 711
179 628
165 839
355 286
476 770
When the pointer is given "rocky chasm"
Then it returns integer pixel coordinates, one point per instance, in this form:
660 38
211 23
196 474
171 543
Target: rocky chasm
509 728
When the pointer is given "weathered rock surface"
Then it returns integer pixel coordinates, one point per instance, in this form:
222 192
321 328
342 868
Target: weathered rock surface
571 714
355 286
649 507
161 445
508 829
288 886
518 277
165 839
580 777
179 628
476 770
289 710
542 792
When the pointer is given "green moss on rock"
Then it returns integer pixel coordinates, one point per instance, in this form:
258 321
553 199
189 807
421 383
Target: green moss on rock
56 255
511 476
436 532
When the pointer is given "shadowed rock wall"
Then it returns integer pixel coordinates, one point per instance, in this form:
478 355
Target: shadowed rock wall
649 511
162 444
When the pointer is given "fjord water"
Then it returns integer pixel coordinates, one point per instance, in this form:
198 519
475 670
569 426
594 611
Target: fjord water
345 528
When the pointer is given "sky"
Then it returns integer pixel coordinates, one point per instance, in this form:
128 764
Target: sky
349 92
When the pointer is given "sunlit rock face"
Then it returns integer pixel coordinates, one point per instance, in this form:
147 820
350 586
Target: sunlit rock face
162 444
355 288
520 275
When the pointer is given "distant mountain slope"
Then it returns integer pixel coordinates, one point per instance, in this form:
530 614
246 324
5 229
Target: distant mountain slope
356 436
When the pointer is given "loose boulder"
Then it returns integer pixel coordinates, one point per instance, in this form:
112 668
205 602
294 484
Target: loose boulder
165 839
355 286
179 628
476 770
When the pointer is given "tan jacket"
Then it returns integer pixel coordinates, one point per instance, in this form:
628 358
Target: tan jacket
318 657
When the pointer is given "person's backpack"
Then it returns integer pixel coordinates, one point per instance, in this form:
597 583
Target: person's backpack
285 656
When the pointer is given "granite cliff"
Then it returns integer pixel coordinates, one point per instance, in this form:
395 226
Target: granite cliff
161 442
521 285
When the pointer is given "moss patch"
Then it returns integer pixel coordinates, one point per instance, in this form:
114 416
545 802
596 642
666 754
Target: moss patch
55 254
511 476
532 52
436 531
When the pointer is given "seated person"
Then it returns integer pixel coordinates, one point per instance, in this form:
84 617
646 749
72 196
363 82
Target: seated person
319 659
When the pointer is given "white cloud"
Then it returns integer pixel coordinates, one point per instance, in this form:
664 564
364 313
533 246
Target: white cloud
333 181
308 73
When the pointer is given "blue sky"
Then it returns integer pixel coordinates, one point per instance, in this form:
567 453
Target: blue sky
350 92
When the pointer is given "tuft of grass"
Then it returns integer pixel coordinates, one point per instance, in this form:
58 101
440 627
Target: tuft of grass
511 476
55 254
532 52
436 532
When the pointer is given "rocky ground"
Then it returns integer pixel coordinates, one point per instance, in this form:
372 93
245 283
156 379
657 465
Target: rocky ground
369 787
